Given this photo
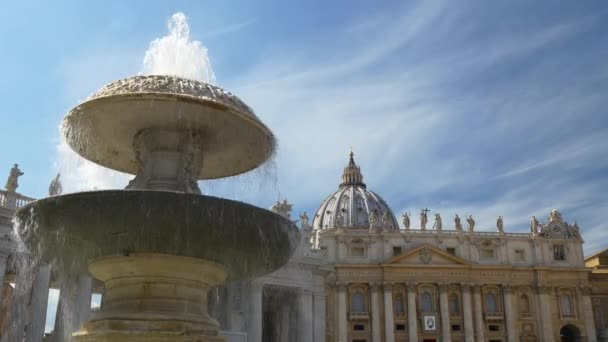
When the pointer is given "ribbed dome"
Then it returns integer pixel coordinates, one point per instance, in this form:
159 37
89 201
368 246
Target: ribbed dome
353 206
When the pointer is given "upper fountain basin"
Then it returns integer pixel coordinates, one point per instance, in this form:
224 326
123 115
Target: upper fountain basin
70 230
102 128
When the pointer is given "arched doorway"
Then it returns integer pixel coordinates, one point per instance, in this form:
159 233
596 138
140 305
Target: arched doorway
569 333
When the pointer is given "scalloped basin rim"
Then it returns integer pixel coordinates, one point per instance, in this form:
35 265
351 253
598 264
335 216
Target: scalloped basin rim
70 230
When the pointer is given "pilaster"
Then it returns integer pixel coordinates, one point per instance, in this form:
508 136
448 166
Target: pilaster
305 321
254 328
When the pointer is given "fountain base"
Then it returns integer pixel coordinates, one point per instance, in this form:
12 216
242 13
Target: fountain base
154 298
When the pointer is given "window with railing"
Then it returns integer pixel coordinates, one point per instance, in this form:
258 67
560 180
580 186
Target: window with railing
454 304
426 302
399 305
358 304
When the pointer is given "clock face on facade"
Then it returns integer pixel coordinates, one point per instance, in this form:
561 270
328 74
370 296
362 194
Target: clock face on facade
429 322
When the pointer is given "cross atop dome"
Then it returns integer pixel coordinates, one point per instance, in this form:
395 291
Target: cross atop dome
352 173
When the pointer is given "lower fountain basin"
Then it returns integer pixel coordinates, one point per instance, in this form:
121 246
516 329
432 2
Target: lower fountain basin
70 230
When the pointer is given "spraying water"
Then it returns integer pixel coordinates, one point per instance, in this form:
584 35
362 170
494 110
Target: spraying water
177 55
174 54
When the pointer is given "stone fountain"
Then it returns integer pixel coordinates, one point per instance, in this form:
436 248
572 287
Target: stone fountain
159 245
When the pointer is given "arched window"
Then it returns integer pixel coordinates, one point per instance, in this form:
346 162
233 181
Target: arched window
524 303
357 302
491 304
454 304
399 307
426 302
566 304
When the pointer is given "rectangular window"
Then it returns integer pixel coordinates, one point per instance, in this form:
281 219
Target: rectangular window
451 250
487 253
559 252
357 251
520 255
400 327
455 327
359 327
396 251
493 327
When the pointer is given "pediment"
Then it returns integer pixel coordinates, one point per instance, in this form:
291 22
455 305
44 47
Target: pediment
426 255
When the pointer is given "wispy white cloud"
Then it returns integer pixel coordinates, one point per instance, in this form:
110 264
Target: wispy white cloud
221 31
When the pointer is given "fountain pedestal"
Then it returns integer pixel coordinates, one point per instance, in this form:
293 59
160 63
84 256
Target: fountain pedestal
154 298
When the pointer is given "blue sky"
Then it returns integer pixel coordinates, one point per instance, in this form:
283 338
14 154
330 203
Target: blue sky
482 107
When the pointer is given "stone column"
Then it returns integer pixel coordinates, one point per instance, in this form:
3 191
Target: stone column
544 297
40 297
19 315
376 333
74 305
3 258
588 315
477 306
446 334
510 317
83 301
254 326
305 316
389 323
412 313
319 318
467 311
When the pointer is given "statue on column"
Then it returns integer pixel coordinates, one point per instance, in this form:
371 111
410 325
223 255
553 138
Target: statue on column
500 224
457 223
471 223
423 219
12 183
55 189
406 221
438 224
534 225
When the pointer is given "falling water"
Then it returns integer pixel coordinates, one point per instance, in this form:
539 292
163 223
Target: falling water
175 54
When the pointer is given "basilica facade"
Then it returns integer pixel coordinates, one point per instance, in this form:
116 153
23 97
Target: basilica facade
361 275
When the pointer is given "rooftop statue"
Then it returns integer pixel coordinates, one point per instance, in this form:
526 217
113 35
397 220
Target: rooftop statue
304 219
282 208
555 216
534 225
423 219
55 189
406 220
12 183
457 223
438 224
471 223
373 217
500 224
386 220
